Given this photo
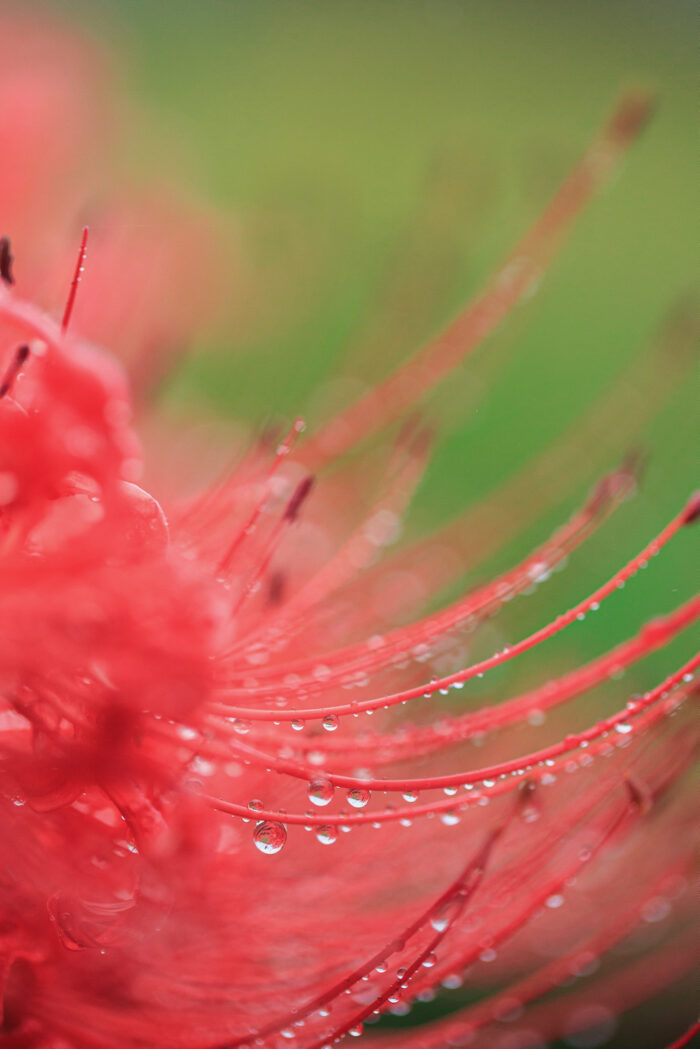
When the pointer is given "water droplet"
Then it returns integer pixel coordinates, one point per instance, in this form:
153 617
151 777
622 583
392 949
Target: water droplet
320 792
241 727
656 909
255 805
326 834
410 796
298 725
330 722
358 797
270 837
441 919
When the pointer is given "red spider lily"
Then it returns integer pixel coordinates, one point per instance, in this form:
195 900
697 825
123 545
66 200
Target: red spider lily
174 675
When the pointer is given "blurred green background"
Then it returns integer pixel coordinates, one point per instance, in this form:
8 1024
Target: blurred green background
377 159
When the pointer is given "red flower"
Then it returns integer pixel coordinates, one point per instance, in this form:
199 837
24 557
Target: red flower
184 723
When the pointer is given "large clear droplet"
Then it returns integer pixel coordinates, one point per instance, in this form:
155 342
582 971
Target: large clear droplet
270 837
358 797
326 834
320 791
330 722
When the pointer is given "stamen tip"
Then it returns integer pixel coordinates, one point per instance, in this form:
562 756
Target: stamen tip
6 261
692 510
300 494
633 112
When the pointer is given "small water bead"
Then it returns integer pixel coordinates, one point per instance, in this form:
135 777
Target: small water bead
320 792
410 796
400 1008
298 725
255 805
326 834
430 960
449 791
656 909
358 797
356 1031
241 727
330 722
270 837
450 819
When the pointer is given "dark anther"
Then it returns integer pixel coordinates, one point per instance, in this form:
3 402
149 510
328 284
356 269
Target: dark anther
692 510
294 504
6 260
21 354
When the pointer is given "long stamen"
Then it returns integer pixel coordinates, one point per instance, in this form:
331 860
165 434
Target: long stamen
515 767
77 274
512 282
476 605
291 512
448 731
13 369
686 516
282 453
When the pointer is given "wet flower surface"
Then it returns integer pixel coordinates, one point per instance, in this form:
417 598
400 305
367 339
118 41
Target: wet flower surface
245 799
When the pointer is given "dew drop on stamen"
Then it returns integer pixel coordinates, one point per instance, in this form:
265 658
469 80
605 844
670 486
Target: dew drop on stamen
410 796
320 792
330 722
358 797
270 837
326 834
